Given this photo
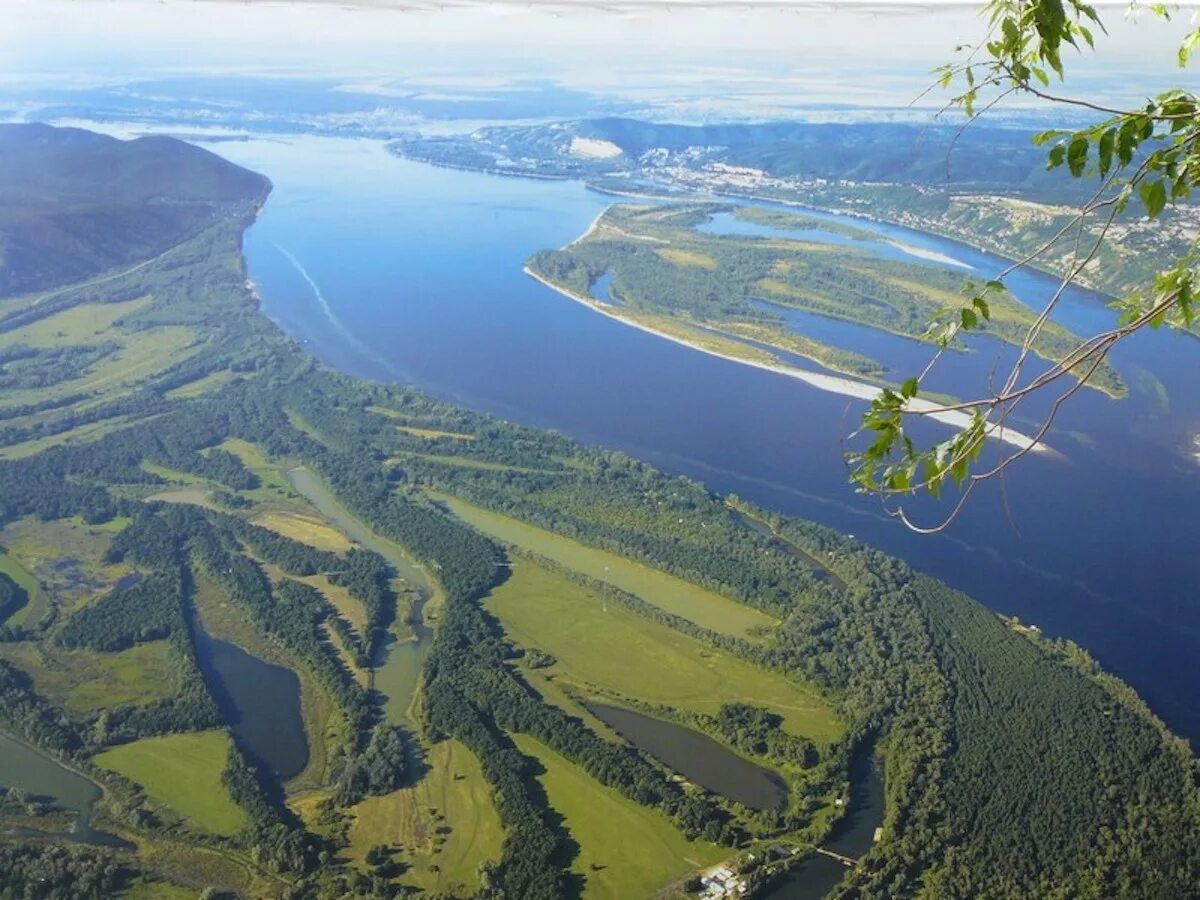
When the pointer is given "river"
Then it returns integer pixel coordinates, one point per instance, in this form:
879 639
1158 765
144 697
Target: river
395 270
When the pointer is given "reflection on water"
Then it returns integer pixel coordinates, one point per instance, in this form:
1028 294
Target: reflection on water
853 835
398 663
260 701
697 757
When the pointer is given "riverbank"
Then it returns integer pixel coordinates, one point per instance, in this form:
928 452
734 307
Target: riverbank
834 384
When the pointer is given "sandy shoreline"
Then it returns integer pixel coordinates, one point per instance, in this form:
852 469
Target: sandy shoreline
834 384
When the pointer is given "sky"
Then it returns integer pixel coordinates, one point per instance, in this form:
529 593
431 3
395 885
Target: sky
750 54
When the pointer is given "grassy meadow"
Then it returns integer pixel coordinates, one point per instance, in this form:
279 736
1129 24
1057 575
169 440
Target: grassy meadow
183 772
603 644
625 850
87 680
441 829
670 594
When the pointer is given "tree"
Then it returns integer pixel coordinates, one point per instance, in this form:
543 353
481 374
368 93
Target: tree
1141 161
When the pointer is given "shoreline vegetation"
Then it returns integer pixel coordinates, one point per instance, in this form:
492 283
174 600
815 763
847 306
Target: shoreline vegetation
834 384
742 270
821 648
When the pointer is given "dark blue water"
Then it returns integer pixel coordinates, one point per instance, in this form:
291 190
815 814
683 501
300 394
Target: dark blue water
697 757
393 270
261 703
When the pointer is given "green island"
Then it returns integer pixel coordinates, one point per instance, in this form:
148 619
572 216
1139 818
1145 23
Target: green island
453 594
725 292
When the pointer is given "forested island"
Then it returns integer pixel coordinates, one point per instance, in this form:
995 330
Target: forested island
450 602
665 267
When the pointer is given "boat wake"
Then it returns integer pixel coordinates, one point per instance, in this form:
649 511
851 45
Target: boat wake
338 326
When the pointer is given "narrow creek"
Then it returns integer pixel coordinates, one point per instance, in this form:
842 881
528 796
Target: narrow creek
398 664
853 836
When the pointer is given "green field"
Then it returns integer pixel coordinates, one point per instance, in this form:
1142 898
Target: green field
625 850
269 473
65 556
142 674
670 594
139 355
604 644
452 795
183 772
87 680
201 386
305 529
158 890
39 602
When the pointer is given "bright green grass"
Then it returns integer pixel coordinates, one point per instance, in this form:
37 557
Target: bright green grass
674 595
256 461
201 386
602 643
84 434
182 771
77 325
38 601
452 793
139 356
636 850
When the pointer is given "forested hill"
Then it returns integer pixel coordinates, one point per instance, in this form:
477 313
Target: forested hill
74 203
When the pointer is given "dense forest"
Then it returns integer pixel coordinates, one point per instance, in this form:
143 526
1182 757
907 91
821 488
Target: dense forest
1014 767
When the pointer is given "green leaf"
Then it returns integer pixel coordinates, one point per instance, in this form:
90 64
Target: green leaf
1058 153
969 319
1077 153
908 390
1188 45
982 306
1154 197
1108 142
1127 141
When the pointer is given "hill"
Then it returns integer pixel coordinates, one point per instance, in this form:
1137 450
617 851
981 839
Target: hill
74 203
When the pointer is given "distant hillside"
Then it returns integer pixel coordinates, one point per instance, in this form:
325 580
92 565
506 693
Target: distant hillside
980 159
74 203
889 151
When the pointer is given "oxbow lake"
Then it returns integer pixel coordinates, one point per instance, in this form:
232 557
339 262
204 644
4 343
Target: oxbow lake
400 271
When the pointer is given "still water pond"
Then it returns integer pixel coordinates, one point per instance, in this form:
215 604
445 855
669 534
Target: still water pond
261 703
697 757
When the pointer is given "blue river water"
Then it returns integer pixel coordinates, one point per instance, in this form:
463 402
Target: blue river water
395 270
